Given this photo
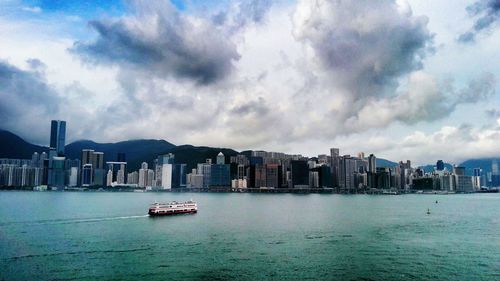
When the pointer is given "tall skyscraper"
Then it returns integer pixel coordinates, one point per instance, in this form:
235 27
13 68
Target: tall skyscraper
164 169
221 159
372 163
440 165
300 174
334 167
58 136
494 167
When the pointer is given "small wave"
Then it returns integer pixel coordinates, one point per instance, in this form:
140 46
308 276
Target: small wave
79 252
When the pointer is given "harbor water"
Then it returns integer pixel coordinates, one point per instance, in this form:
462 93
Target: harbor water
108 236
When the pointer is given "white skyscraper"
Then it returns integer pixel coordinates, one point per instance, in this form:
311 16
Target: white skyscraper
143 175
73 176
109 178
166 176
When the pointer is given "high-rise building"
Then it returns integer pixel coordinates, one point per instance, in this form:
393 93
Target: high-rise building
372 164
58 136
57 172
476 178
460 171
35 160
273 175
300 174
151 178
221 159
133 178
96 161
334 167
87 175
314 179
220 175
205 170
494 167
348 173
118 170
440 165
179 176
143 175
109 178
73 176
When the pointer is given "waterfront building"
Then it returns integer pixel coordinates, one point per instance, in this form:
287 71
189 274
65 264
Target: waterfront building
273 175
96 161
239 183
476 179
109 178
73 177
151 178
459 171
195 180
87 175
35 160
260 176
58 136
143 175
494 167
348 173
133 178
118 170
299 174
221 159
220 175
166 176
313 179
463 183
239 159
372 163
205 170
57 172
447 182
240 171
179 176
323 159
334 167
383 178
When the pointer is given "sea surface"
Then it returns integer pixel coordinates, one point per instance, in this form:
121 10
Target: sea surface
108 236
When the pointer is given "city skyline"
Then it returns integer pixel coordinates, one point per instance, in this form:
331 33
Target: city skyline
247 171
433 90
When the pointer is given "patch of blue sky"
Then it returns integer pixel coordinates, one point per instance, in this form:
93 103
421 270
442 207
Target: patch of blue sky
83 8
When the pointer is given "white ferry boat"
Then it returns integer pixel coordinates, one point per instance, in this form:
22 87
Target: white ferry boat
173 208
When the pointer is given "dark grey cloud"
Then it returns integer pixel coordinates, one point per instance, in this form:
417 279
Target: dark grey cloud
159 40
365 45
25 97
485 13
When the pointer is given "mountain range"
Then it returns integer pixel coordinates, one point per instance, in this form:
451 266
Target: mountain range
137 151
146 150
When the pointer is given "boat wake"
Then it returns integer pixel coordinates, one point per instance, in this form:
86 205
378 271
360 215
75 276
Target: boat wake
73 221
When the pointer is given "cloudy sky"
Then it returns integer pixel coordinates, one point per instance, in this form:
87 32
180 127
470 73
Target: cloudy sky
412 79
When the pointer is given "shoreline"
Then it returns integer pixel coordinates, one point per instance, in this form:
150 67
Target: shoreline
254 190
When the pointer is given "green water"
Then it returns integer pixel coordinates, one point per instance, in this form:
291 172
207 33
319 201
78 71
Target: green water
89 236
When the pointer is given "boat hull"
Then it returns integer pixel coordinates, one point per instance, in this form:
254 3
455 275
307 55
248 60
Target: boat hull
171 213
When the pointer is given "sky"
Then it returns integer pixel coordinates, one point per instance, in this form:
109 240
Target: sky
412 79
